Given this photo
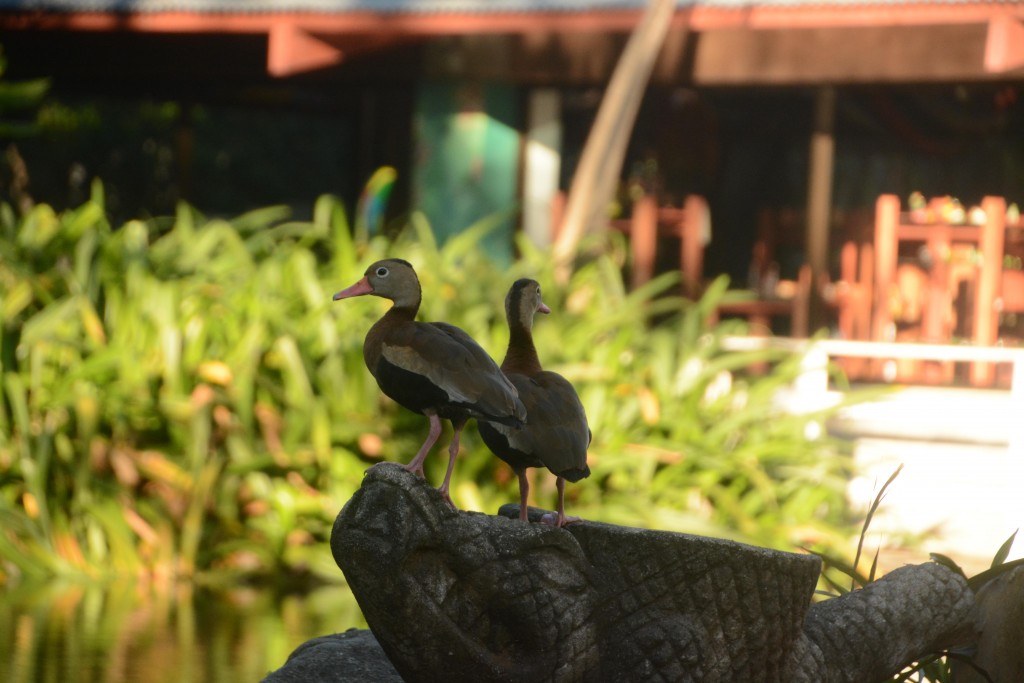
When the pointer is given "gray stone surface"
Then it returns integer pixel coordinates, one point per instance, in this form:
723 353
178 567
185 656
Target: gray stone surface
461 596
466 595
475 598
872 633
350 657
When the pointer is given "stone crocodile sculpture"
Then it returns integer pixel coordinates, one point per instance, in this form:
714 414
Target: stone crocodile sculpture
469 597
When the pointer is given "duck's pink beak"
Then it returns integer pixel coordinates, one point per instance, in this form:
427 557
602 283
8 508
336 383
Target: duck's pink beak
543 308
358 289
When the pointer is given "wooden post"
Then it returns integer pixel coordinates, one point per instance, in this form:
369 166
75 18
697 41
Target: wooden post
691 257
557 214
847 291
867 284
986 317
643 239
819 195
541 162
801 303
887 217
593 184
936 323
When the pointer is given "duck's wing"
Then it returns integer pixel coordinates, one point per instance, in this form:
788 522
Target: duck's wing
557 433
452 361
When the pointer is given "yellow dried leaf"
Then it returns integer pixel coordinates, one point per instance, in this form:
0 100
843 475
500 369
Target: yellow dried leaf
31 505
92 323
159 469
140 526
216 372
650 408
68 548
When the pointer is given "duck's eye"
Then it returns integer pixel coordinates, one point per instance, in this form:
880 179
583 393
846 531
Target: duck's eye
382 272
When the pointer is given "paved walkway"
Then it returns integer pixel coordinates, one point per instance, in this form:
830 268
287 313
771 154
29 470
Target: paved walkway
962 484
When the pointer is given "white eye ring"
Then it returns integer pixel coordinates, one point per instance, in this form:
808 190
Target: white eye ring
382 272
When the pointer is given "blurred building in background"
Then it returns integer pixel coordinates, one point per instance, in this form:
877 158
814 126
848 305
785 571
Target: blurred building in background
483 106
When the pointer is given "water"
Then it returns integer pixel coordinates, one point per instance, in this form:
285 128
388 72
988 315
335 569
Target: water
71 633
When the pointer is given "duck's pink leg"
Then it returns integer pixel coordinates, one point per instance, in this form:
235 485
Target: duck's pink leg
561 519
416 464
453 452
524 493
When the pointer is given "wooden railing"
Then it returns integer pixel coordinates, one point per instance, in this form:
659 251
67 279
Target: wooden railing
814 379
892 227
819 351
689 224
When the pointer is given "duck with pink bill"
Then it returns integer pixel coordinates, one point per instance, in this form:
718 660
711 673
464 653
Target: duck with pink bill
435 369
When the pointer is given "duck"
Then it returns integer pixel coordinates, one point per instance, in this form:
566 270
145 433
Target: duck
557 435
432 368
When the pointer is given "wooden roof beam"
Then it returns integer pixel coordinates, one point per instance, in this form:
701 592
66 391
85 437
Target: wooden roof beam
291 50
821 15
873 54
1004 45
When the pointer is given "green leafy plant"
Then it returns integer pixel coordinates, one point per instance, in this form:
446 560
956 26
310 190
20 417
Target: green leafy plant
181 398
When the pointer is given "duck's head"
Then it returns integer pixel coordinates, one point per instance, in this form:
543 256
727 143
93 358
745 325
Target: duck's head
392 279
523 301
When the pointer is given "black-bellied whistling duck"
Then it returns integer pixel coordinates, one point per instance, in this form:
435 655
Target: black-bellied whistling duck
431 368
557 434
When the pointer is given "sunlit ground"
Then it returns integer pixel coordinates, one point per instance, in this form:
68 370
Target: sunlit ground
959 492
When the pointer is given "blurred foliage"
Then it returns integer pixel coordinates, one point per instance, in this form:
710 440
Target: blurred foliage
70 632
25 111
180 397
17 98
153 153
